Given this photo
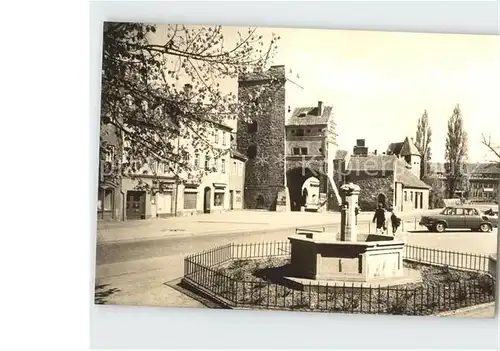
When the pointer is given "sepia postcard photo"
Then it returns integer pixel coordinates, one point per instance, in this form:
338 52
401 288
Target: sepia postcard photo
298 170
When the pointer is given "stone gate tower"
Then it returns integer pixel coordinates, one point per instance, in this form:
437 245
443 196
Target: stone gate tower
261 135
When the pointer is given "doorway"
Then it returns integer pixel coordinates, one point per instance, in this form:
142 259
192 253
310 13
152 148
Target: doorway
136 205
207 196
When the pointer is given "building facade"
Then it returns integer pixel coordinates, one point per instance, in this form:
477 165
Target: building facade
391 180
110 198
482 180
311 143
288 148
156 191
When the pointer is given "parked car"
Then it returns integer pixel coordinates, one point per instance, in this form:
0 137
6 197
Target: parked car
460 217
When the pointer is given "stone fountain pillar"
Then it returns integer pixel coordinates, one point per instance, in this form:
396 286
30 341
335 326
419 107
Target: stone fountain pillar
349 193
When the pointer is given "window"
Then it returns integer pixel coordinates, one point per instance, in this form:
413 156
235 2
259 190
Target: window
216 136
300 132
252 127
223 166
411 195
224 138
207 163
110 153
240 168
238 196
459 211
218 199
108 200
300 151
190 200
216 165
234 168
196 161
252 151
406 195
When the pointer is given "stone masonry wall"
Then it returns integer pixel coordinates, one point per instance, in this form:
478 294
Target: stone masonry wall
264 174
371 186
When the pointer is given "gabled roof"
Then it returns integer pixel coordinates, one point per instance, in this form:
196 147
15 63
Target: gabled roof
473 168
409 148
340 155
405 176
238 155
308 116
394 148
372 163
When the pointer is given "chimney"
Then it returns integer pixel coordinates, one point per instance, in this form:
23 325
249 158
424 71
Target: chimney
375 152
320 108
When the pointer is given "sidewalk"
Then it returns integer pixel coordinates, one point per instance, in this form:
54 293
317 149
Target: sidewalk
227 222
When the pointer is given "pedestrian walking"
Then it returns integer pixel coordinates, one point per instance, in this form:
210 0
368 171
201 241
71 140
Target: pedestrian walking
379 219
395 220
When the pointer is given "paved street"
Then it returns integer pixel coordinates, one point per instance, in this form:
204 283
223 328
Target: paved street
135 272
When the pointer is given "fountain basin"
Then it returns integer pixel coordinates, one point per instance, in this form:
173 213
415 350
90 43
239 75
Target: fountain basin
319 256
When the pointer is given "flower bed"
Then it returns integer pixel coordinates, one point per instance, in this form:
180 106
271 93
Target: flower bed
252 276
259 283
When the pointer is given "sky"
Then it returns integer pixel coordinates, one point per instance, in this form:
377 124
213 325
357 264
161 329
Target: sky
380 83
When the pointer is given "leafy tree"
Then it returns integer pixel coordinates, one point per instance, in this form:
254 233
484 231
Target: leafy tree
422 142
144 101
456 153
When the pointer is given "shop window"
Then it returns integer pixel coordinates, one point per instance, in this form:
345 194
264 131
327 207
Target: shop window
218 199
190 199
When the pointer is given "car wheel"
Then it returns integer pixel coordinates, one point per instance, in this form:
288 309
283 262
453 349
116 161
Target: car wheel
440 227
485 227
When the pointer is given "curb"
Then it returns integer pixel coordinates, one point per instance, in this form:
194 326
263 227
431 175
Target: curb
188 234
467 309
237 231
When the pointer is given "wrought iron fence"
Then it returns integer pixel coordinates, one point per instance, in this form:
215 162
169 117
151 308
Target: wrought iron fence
453 259
203 270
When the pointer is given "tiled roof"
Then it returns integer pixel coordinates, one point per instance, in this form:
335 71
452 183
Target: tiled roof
394 148
340 155
407 178
308 116
478 167
372 163
237 154
409 148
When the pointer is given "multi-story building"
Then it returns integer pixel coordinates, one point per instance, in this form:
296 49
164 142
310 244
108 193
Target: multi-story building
289 149
310 148
110 198
170 193
482 180
215 182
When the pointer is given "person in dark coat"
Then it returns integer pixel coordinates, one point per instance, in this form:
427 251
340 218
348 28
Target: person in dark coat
395 220
379 218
